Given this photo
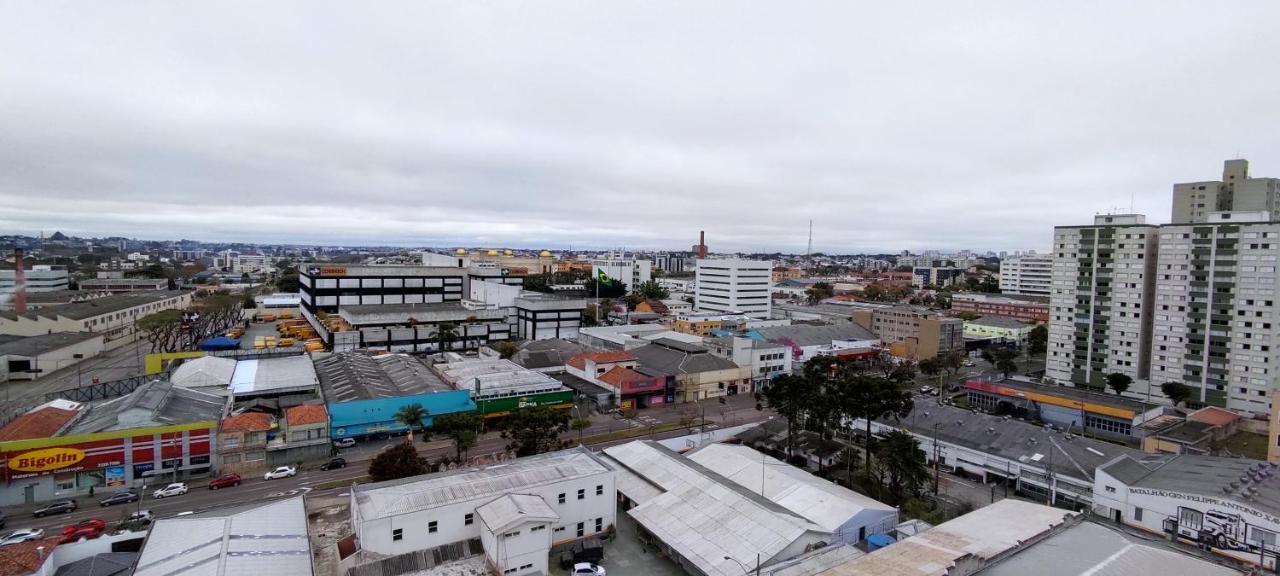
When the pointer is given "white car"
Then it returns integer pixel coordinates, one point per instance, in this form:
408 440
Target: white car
344 442
281 472
968 364
175 489
26 535
587 569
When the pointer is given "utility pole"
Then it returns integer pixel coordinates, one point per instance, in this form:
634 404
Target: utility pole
937 456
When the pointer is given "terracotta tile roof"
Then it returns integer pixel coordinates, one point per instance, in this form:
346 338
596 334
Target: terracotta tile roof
580 361
42 423
248 422
306 414
23 559
619 376
1213 416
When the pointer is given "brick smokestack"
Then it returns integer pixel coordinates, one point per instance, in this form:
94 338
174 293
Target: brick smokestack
19 283
702 243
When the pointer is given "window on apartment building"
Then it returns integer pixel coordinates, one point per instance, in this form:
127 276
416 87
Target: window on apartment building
582 493
561 498
599 524
599 489
469 519
397 534
581 529
433 527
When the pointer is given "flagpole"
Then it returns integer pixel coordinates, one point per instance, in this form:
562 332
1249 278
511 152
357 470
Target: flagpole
598 301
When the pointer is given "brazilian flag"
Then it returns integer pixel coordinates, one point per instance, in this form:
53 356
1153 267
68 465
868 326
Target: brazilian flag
603 278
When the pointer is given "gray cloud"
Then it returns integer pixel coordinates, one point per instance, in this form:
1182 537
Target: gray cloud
623 123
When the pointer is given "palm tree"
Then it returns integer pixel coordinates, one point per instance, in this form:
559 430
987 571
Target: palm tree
446 334
413 416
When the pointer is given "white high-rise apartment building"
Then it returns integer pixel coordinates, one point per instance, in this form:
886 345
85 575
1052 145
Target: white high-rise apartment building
1028 275
731 286
633 271
40 278
1099 317
1215 327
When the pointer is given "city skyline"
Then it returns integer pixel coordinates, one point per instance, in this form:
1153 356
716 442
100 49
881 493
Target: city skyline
477 125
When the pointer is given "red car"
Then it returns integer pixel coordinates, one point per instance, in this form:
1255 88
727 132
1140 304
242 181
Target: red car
94 523
224 481
87 533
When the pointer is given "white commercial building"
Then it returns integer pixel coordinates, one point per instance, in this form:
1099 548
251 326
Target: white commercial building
40 278
1028 275
1099 318
630 270
256 540
730 286
575 488
1229 504
1215 327
247 263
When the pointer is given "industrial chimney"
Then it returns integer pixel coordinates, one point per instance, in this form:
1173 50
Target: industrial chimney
19 283
701 248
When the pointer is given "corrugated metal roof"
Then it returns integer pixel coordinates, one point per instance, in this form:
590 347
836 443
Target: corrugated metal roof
355 376
706 517
1249 483
267 539
33 346
273 376
204 372
156 403
1089 548
808 335
824 503
425 492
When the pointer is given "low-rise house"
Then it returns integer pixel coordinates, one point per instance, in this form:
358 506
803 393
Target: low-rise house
692 370
304 436
242 442
999 328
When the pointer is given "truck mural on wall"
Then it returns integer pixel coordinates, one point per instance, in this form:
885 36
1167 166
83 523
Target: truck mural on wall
1221 529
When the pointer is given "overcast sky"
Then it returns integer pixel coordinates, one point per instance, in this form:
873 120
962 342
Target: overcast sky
606 123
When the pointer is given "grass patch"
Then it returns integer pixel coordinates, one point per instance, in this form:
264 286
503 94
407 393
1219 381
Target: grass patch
339 483
636 432
1247 444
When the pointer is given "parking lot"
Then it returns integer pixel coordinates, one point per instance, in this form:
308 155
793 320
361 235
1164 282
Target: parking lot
626 555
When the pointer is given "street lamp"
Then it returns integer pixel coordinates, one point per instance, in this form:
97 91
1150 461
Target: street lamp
744 568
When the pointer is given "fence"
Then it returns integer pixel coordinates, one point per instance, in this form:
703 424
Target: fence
101 390
419 560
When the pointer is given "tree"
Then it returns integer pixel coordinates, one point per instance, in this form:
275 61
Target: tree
507 349
248 303
461 427
1119 382
445 335
653 291
398 461
413 417
788 396
967 316
870 396
901 463
288 281
1177 392
579 425
535 430
1038 340
1001 358
931 366
819 291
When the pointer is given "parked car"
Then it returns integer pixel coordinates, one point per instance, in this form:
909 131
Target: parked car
143 516
927 390
24 535
344 442
81 534
56 507
587 569
94 523
334 464
281 472
119 498
175 489
224 481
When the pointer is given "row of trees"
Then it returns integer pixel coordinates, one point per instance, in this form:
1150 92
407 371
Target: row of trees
831 395
174 330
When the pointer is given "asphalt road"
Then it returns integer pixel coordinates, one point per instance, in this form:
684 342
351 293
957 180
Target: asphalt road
490 448
117 364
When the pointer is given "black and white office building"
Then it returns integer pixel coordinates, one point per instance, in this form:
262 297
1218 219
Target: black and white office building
326 287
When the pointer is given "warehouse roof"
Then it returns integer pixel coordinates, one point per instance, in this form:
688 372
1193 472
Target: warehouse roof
268 376
351 376
204 372
599 357
670 357
1248 483
814 561
1090 548
406 495
546 353
978 537
488 377
822 502
156 403
511 510
104 564
99 306
1075 457
705 517
33 346
808 335
263 539
1001 322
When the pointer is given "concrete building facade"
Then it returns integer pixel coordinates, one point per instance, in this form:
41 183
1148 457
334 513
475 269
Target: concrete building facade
1100 322
912 332
40 278
631 270
1027 275
1193 202
733 286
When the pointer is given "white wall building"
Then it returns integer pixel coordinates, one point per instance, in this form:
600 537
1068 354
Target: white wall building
250 263
40 278
1028 275
1099 306
424 512
1229 504
734 286
516 534
630 270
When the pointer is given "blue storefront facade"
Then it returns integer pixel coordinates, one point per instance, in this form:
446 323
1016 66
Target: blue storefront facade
376 416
